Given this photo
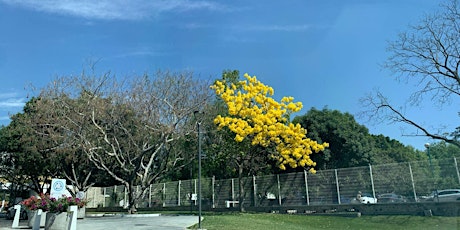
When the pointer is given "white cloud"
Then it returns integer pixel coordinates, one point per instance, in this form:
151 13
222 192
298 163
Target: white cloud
196 26
12 103
4 118
11 100
115 9
141 52
7 95
285 28
263 28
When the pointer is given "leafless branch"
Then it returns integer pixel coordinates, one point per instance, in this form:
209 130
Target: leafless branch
427 54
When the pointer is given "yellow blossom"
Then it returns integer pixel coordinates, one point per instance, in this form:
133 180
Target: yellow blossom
253 113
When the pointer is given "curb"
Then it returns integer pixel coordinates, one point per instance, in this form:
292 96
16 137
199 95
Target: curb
121 215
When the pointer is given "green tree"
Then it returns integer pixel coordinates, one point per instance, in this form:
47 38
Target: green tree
387 150
30 156
349 142
443 150
441 168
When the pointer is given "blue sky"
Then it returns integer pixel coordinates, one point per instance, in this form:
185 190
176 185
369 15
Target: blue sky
323 53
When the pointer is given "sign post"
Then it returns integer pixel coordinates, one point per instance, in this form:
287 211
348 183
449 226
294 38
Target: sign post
58 188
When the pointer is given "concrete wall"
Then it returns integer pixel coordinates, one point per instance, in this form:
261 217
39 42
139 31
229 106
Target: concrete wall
415 209
419 208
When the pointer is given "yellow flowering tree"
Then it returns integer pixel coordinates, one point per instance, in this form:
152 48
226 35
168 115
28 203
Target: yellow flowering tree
254 114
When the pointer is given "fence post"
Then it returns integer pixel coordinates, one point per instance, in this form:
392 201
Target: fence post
372 180
116 203
94 197
233 189
213 191
164 194
137 193
412 180
195 191
306 186
337 185
254 186
150 195
125 201
178 193
103 203
279 188
456 167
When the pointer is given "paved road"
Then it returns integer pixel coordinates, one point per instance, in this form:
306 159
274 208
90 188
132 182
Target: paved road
133 222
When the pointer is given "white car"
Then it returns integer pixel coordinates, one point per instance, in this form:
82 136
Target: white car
366 198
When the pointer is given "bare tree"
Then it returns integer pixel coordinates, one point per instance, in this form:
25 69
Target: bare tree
428 54
128 128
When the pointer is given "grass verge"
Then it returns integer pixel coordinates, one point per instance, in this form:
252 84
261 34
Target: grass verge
267 221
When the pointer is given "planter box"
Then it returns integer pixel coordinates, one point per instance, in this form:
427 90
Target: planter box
57 221
81 213
32 215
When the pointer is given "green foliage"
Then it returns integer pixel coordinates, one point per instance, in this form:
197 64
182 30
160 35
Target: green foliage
441 150
387 150
351 144
30 153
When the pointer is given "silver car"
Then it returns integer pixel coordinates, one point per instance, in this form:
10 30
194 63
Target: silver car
445 195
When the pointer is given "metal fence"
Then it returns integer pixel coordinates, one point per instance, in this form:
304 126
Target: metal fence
339 186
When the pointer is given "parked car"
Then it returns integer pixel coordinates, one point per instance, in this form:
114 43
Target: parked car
366 198
391 198
445 195
12 211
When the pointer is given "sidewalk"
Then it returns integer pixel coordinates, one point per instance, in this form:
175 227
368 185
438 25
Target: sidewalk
131 222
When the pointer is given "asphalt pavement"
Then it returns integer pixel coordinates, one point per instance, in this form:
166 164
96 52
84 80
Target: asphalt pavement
123 222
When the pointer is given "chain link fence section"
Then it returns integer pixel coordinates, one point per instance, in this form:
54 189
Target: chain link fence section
393 178
351 181
413 180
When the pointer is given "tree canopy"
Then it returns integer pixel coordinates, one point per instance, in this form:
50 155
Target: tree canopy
127 128
29 154
350 143
254 114
443 150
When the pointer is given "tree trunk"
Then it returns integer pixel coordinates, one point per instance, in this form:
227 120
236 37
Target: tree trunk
241 188
132 199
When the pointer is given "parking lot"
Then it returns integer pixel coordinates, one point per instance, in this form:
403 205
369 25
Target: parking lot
118 222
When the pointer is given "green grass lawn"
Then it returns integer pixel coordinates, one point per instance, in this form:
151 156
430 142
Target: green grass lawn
267 221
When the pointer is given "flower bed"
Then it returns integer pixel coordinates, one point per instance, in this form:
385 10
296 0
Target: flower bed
51 204
52 209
